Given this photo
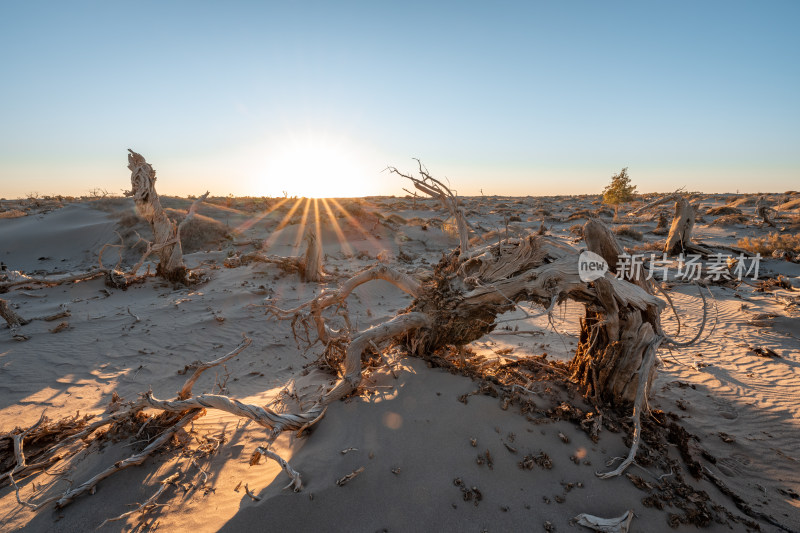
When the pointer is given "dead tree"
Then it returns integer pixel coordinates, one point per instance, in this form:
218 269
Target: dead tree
679 239
438 190
166 234
458 303
308 266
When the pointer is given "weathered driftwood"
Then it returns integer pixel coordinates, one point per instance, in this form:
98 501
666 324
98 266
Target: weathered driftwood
615 361
166 234
15 278
11 316
14 320
612 354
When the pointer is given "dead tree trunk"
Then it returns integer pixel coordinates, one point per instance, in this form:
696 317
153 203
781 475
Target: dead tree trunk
167 243
763 211
312 259
679 239
680 232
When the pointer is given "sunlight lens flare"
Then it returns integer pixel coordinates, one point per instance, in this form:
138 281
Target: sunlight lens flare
315 167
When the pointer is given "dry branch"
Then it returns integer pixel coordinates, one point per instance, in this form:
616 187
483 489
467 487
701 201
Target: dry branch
186 390
10 316
14 278
133 460
438 190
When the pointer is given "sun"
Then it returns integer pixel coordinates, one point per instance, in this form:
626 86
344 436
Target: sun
315 166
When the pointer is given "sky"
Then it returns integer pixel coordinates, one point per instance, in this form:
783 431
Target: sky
318 98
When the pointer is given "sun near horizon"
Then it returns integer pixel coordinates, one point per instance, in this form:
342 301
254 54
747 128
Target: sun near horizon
313 166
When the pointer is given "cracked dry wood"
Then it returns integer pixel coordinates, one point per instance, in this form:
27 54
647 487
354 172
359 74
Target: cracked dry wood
166 234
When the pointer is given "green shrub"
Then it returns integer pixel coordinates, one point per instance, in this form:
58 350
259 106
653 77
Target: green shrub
620 190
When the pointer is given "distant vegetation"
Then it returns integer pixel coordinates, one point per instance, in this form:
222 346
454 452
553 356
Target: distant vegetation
620 190
770 243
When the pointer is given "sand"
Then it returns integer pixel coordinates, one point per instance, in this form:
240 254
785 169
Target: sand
422 449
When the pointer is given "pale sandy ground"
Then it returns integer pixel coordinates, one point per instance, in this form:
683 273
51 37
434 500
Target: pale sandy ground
413 436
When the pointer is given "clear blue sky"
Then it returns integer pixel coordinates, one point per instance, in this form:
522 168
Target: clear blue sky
509 97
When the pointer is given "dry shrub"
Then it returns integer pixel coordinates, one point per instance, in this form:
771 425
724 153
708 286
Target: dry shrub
450 228
201 233
744 201
768 244
576 229
396 219
652 246
111 204
628 231
130 220
729 220
13 213
584 213
354 208
788 205
723 210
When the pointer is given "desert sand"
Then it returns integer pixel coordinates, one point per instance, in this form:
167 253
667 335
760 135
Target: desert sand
435 450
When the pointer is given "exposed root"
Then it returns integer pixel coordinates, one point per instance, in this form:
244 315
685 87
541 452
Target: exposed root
764 212
694 339
296 483
638 404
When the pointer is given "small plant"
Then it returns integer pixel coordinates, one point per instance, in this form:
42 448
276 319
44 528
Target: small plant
620 190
